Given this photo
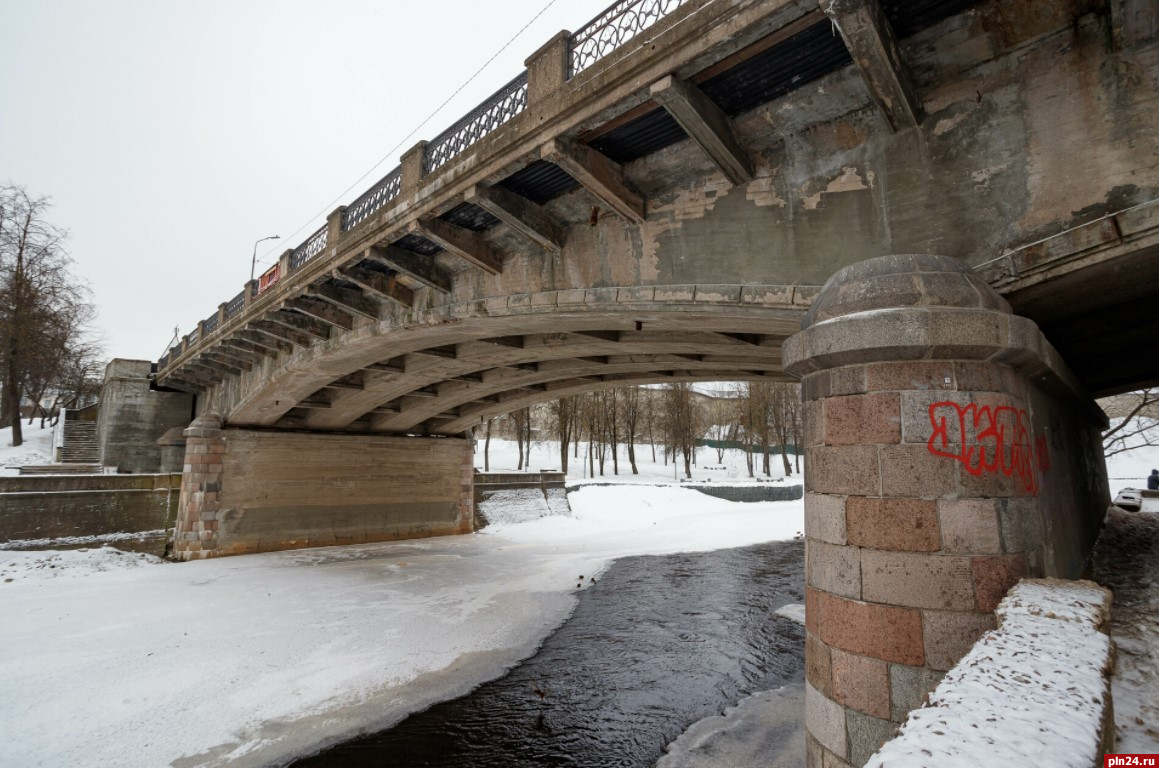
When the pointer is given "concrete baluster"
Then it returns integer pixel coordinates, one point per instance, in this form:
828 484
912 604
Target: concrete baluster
547 71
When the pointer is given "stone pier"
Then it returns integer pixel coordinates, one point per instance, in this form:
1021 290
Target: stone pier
245 491
949 452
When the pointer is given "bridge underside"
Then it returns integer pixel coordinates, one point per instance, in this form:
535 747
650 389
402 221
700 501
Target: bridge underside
670 213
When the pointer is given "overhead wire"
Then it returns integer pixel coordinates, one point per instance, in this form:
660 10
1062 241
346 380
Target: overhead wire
394 150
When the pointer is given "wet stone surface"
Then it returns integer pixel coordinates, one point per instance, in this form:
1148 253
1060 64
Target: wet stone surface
656 645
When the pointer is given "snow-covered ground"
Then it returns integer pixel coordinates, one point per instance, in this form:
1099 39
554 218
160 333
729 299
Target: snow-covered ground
36 449
504 457
249 660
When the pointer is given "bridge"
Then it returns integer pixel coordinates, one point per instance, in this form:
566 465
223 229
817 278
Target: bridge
712 190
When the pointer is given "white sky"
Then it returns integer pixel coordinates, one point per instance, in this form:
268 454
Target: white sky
171 136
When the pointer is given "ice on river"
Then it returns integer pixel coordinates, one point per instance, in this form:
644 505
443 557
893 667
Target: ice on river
251 660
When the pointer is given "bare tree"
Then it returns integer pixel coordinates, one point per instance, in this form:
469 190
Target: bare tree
1138 428
683 422
44 311
632 408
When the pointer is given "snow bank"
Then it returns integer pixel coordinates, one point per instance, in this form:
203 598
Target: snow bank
520 505
764 730
73 563
1035 691
36 449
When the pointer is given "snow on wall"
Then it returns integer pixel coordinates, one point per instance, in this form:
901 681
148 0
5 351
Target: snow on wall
1034 691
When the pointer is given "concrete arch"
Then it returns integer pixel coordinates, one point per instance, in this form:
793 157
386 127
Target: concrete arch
436 371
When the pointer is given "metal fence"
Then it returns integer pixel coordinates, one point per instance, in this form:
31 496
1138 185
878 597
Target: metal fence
309 249
500 107
614 27
371 200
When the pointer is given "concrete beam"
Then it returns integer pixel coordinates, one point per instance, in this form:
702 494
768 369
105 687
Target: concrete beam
247 347
323 311
221 364
269 341
467 245
378 284
600 176
870 40
419 268
520 214
354 301
280 331
231 356
300 322
706 124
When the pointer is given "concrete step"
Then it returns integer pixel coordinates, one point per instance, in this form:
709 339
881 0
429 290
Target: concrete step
62 469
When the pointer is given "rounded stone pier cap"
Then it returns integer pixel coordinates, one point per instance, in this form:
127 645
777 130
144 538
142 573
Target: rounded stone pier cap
901 281
206 425
923 307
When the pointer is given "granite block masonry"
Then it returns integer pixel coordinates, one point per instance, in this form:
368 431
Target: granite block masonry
949 453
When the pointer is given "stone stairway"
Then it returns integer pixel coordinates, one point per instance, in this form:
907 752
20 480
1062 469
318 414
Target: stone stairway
80 443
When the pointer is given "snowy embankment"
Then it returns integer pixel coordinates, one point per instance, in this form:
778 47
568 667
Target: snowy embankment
36 449
252 660
1035 691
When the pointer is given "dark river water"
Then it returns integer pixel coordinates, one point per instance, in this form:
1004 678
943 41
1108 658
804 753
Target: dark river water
655 645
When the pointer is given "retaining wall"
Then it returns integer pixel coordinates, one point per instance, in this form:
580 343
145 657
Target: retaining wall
133 511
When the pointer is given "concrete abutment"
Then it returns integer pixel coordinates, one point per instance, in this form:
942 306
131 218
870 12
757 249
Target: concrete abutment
949 453
246 491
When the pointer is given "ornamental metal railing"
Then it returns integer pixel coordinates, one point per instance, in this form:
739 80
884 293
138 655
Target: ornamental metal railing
210 324
235 305
614 27
387 189
309 249
500 107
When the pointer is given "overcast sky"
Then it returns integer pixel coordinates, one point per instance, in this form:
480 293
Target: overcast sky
172 135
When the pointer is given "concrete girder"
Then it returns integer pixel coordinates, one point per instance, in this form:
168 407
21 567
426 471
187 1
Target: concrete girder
242 346
470 246
216 361
520 214
378 284
600 176
550 376
421 269
281 332
352 301
300 322
263 402
470 415
261 339
322 311
537 356
706 124
871 43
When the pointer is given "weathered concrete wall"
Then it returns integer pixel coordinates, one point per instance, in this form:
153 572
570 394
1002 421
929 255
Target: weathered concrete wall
39 508
246 491
133 417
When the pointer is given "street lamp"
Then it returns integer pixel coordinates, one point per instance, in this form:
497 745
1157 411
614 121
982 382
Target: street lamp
254 260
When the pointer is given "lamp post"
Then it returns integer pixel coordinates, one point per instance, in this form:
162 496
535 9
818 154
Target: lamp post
254 260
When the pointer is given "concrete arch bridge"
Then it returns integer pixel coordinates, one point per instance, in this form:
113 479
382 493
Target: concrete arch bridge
661 196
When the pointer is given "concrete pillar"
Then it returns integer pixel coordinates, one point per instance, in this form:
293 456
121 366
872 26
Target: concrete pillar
246 491
196 530
948 453
547 69
413 171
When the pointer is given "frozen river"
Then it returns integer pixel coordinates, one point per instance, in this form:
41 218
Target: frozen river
658 644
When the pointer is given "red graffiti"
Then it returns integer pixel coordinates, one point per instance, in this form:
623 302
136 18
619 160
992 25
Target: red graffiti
988 439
